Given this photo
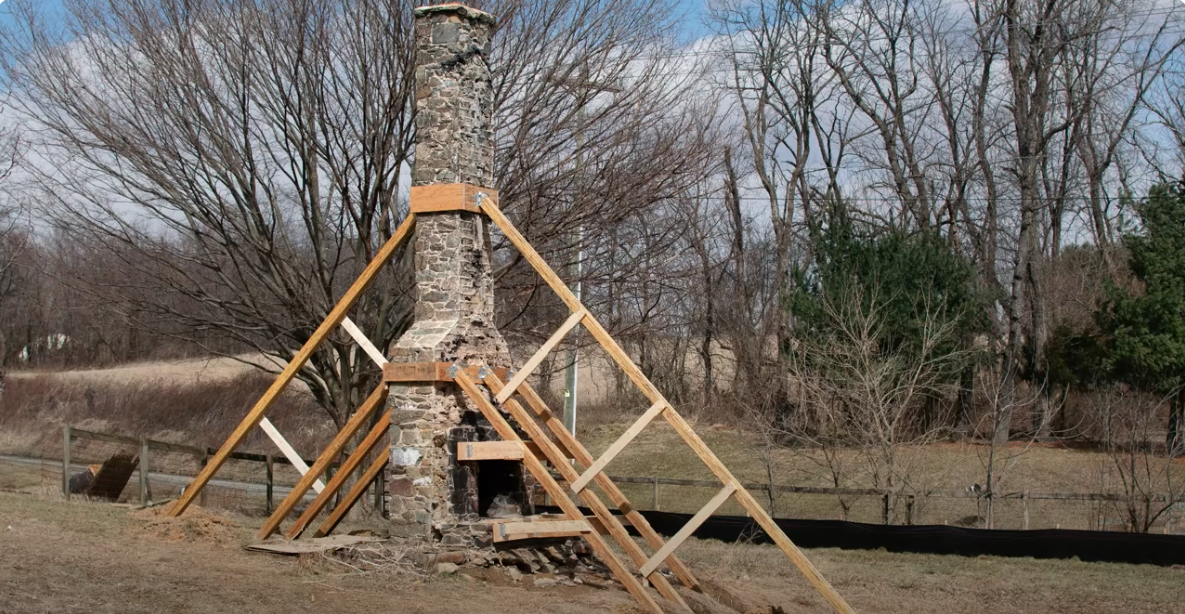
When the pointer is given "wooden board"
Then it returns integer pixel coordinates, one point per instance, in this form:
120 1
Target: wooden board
688 529
513 530
489 450
355 493
536 468
610 522
296 364
652 393
355 422
539 355
414 372
288 451
363 450
618 498
448 197
619 445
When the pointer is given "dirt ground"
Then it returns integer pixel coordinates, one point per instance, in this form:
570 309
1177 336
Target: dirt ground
88 557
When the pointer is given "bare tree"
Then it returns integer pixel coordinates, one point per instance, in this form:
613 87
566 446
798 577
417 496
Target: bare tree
237 162
1147 478
860 400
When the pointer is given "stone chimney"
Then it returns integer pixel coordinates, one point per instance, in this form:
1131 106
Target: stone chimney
433 498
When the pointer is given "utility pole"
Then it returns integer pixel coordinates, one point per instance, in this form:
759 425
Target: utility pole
582 87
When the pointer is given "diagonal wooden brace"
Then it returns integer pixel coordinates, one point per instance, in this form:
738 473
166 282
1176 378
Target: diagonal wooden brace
296 364
376 433
355 422
688 529
535 466
611 523
618 498
542 353
618 446
610 345
351 497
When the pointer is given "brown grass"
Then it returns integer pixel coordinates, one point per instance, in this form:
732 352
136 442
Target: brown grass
196 413
67 557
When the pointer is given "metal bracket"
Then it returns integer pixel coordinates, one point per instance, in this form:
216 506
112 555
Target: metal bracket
483 372
453 370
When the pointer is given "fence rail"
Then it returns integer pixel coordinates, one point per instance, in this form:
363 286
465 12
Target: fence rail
144 445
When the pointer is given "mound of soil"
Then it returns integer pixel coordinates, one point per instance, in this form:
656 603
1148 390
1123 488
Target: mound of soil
195 525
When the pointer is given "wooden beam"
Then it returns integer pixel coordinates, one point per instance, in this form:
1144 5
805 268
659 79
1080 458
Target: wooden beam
542 353
288 451
489 450
351 497
363 342
611 523
448 197
417 372
355 422
557 493
618 498
618 446
364 448
688 529
644 384
507 531
296 364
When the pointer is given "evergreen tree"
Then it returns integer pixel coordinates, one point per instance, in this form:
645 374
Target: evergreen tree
1143 332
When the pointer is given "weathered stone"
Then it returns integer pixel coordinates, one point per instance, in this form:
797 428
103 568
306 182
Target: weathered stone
446 568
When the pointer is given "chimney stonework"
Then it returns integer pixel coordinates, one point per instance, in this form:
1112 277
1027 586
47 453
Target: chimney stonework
432 498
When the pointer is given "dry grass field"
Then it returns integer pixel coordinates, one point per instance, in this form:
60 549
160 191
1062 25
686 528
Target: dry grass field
98 558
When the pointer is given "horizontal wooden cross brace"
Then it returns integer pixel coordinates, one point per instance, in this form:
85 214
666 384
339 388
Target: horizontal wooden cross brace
495 450
431 372
448 197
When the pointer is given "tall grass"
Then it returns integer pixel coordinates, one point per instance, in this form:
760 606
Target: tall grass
203 414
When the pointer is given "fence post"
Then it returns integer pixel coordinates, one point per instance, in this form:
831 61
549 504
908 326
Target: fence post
66 462
1024 502
380 483
654 495
205 460
270 481
144 496
909 510
886 511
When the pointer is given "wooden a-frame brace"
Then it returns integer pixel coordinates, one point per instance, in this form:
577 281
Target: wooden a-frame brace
552 451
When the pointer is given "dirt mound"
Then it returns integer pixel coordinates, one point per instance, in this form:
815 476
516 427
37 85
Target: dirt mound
195 525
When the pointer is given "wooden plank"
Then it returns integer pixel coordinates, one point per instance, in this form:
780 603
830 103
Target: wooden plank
351 497
533 363
107 437
364 448
489 450
611 523
643 383
688 529
296 364
363 342
297 493
618 498
507 531
416 372
447 197
288 451
759 514
619 445
535 466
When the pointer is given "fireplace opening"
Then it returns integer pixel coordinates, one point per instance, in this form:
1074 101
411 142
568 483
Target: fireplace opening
499 488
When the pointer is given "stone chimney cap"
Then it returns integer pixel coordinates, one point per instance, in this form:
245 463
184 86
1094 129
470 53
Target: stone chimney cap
465 11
